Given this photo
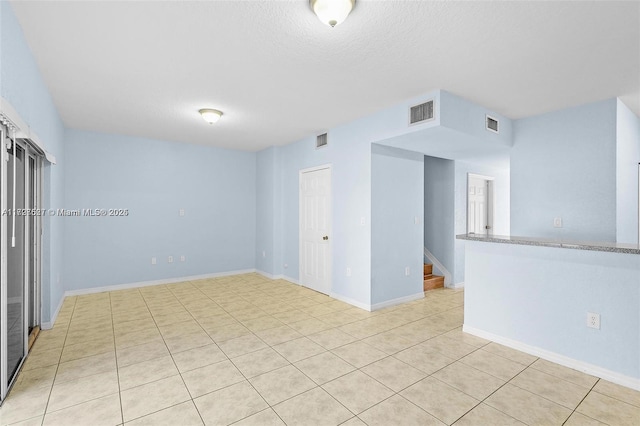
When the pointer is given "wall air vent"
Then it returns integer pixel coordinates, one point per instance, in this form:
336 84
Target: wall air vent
492 124
321 140
421 113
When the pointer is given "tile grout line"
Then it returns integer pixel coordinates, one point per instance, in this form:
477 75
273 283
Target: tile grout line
578 405
214 342
487 397
290 364
404 318
470 366
361 340
115 355
75 301
173 360
269 406
247 379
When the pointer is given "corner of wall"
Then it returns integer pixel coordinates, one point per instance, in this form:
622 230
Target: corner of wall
465 116
627 174
555 158
22 86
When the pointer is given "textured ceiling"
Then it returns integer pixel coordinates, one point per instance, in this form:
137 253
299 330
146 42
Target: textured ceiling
144 68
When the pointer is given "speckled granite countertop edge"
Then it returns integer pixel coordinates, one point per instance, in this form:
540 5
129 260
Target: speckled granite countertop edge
541 242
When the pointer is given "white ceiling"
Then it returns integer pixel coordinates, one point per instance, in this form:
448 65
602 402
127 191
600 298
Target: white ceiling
144 68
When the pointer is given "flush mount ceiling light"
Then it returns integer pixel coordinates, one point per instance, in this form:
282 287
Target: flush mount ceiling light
210 115
332 12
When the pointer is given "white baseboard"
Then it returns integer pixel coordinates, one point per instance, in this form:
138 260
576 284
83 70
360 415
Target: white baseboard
80 292
291 280
377 306
127 286
594 370
268 275
457 285
350 301
278 277
49 325
397 301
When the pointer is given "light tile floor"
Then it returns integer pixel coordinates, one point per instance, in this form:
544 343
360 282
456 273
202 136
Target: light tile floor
246 350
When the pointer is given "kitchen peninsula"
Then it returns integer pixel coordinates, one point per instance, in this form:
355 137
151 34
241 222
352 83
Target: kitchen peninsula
536 295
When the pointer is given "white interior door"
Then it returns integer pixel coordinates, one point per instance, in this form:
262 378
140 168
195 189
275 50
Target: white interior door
479 205
315 229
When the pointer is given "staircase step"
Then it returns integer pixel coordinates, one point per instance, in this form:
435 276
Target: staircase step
433 281
428 269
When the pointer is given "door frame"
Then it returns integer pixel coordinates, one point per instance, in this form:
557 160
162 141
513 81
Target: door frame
30 251
330 212
491 200
33 274
4 385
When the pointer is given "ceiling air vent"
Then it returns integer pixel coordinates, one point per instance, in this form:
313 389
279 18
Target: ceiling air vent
492 124
422 112
321 140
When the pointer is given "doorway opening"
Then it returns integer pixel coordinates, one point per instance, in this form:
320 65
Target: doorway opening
480 204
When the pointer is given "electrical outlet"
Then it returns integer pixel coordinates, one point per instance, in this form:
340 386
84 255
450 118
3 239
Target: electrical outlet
407 271
363 221
593 320
182 258
181 212
153 261
416 220
557 222
285 266
264 253
170 259
348 272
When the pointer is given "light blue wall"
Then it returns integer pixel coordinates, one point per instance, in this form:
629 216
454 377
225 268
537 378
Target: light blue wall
563 165
349 153
502 224
21 84
397 194
459 134
540 296
439 210
154 180
469 118
266 181
627 168
269 211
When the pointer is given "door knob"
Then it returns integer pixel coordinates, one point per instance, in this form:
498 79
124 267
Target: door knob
325 237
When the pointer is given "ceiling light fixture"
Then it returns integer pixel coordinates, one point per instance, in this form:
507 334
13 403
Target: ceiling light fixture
210 115
332 12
